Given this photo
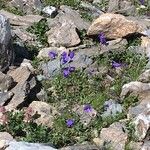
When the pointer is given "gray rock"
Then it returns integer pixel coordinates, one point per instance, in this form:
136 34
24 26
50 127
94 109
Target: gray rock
85 117
25 82
146 145
21 21
113 5
63 35
6 82
66 14
112 108
51 68
4 97
81 147
27 6
6 52
145 76
93 11
114 136
13 145
49 11
42 95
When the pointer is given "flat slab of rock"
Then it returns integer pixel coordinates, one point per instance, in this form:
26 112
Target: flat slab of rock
113 26
17 20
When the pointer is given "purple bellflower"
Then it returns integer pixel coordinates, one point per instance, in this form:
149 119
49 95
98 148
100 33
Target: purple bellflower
69 122
67 57
67 71
142 2
87 108
116 65
52 54
102 39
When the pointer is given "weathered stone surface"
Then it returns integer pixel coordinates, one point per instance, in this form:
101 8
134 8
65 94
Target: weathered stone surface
81 147
142 123
43 53
24 83
115 136
113 5
17 20
27 6
146 145
85 117
6 82
145 76
25 36
63 35
135 145
4 97
145 45
92 10
66 14
6 52
5 136
114 45
111 108
113 26
134 87
46 112
13 145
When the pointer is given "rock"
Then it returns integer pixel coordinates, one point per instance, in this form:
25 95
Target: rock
126 8
80 147
112 108
66 14
6 82
145 76
135 145
6 52
92 10
145 44
23 21
113 5
43 53
63 35
25 36
134 87
25 81
114 136
142 123
85 117
27 6
146 145
5 136
13 145
4 97
46 112
98 142
51 68
27 63
50 11
42 95
113 26
114 45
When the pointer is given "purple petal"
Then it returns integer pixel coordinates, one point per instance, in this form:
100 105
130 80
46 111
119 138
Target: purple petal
52 54
142 2
64 58
71 69
69 122
87 108
115 64
71 54
102 39
66 72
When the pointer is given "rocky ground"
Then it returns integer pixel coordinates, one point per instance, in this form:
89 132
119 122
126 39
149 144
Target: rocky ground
75 75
